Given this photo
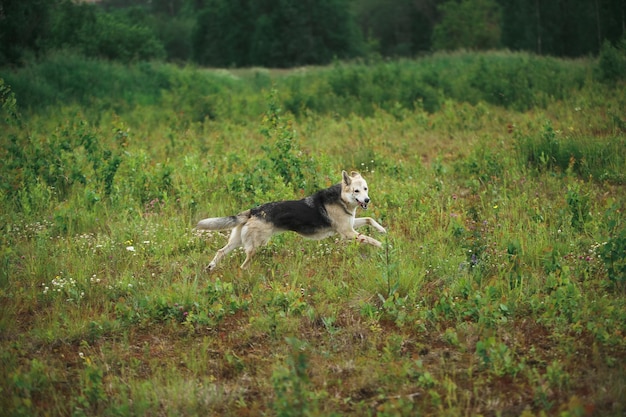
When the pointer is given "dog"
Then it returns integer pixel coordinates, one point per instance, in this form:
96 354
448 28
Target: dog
326 213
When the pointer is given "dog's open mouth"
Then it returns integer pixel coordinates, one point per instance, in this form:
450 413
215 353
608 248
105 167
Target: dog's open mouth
363 205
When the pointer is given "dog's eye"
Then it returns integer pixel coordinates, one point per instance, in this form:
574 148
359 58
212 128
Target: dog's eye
356 191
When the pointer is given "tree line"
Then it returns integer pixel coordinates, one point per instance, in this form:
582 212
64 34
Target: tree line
284 33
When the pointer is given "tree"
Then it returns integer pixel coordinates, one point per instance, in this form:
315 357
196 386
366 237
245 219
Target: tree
23 24
562 28
275 33
221 36
471 24
397 27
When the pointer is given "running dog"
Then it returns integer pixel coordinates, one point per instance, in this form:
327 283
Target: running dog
323 214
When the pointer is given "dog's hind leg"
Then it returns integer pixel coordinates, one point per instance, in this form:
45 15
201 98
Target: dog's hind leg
254 234
249 254
234 241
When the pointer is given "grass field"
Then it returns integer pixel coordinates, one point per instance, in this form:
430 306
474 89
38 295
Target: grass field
500 289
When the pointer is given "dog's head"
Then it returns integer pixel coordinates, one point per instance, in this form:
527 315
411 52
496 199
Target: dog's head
354 189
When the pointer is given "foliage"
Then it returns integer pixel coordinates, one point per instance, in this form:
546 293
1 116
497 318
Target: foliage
288 33
468 24
612 61
410 32
23 24
362 89
114 36
276 34
72 155
289 162
546 28
9 103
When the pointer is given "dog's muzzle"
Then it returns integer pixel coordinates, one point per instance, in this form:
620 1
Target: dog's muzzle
364 203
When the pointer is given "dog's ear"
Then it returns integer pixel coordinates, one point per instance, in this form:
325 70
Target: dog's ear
354 174
346 179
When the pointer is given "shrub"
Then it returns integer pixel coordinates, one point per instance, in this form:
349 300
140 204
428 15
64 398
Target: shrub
612 62
8 103
75 154
108 35
113 37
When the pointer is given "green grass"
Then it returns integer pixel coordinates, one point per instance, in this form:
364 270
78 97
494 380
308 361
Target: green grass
500 289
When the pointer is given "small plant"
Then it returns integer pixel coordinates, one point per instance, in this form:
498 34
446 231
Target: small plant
497 357
287 160
557 376
291 383
613 252
65 287
92 394
579 207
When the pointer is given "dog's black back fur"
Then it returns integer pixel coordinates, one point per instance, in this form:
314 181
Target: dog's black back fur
306 216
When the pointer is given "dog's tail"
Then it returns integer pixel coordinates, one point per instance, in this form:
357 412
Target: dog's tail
223 223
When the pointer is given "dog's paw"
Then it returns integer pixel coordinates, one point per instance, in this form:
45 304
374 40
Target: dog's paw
210 267
381 229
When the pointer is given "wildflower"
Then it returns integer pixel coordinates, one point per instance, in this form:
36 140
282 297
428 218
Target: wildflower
130 248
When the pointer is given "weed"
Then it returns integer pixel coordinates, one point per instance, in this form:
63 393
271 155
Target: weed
291 383
613 251
498 357
92 394
579 207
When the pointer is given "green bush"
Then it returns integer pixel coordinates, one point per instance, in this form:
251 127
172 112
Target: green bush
115 38
94 33
75 154
612 62
516 81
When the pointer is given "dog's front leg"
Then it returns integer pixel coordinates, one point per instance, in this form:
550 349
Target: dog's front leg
366 239
361 238
362 221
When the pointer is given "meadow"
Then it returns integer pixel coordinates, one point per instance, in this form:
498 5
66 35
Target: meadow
500 289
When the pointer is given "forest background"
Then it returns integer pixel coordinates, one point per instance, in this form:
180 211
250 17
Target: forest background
287 33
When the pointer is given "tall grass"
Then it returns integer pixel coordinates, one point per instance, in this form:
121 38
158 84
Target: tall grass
499 289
